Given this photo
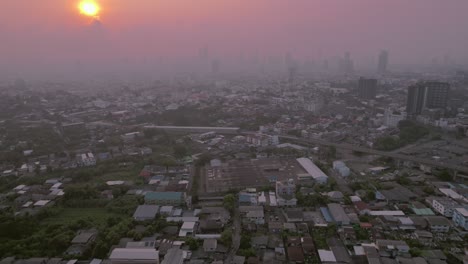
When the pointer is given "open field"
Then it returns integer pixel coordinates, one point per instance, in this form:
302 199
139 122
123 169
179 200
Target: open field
67 215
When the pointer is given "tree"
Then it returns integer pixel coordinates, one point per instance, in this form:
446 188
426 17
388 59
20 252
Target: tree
444 175
429 190
370 195
229 202
192 243
180 151
226 237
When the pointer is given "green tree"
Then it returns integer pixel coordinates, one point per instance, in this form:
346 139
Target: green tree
226 237
229 202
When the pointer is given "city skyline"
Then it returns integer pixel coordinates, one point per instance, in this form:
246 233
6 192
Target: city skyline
51 34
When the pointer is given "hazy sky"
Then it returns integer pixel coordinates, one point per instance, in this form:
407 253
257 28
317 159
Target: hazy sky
37 33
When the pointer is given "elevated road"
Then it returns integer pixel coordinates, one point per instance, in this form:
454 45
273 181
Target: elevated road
397 156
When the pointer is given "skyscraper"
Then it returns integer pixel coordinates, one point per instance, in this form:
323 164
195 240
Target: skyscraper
347 64
383 62
427 95
367 88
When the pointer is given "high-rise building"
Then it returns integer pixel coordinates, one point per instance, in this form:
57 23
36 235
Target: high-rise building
383 62
367 88
347 64
427 95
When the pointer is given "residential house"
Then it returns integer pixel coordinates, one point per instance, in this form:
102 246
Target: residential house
460 217
439 224
187 229
210 245
285 193
444 206
82 242
391 248
338 214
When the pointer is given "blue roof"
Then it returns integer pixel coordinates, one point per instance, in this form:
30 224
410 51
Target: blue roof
244 199
326 214
169 196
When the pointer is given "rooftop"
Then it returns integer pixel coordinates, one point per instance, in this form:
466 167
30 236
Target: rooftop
311 168
134 254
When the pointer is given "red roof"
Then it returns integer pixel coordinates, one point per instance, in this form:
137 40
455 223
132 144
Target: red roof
361 206
366 225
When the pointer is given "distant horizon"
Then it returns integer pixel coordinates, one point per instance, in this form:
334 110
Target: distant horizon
51 36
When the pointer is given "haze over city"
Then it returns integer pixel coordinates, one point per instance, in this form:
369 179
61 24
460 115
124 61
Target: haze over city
52 37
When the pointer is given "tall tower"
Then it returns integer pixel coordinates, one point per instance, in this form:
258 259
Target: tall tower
427 95
367 88
383 62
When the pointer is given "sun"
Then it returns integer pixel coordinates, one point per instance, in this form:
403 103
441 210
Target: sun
89 8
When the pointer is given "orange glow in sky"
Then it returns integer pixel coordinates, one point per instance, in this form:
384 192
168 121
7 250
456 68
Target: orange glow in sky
89 8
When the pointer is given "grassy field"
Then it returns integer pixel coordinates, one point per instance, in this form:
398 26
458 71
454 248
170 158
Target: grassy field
67 215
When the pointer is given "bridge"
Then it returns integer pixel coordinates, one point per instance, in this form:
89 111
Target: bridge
397 156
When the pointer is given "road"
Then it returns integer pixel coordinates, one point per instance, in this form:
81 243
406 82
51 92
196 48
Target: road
236 237
397 156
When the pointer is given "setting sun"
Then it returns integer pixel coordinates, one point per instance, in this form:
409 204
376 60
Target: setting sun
89 8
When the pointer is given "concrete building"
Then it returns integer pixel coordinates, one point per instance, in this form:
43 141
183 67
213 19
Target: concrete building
367 88
460 217
427 95
392 118
262 140
383 62
340 167
444 206
285 193
438 224
210 245
86 159
187 229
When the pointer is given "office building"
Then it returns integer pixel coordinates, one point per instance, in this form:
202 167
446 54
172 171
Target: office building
427 95
383 62
367 88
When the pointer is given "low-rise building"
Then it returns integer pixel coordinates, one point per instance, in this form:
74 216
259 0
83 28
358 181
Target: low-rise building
444 206
145 212
165 198
134 256
460 217
338 214
439 224
210 245
285 193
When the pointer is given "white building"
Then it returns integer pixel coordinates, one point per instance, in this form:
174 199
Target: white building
341 168
445 206
262 140
392 118
314 105
460 217
315 172
187 229
87 159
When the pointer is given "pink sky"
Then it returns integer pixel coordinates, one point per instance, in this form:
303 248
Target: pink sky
412 30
